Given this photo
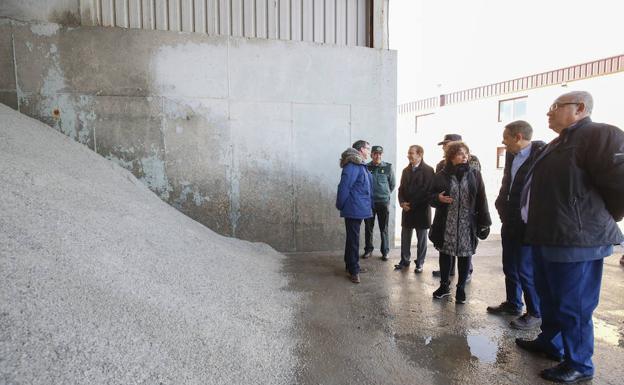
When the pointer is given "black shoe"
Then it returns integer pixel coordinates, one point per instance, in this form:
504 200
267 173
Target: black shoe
400 266
526 322
384 257
504 308
436 273
460 295
563 373
443 291
418 269
367 254
535 346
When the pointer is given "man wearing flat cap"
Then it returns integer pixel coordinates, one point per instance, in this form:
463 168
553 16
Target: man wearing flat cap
383 185
473 161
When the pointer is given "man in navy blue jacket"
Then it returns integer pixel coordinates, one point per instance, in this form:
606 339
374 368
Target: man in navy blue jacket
355 201
517 257
571 201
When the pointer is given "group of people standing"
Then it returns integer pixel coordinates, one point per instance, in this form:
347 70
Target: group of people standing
558 205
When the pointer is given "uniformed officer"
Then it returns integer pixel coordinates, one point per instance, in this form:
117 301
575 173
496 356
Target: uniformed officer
571 200
383 185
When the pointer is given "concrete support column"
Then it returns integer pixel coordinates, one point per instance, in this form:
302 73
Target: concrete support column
380 24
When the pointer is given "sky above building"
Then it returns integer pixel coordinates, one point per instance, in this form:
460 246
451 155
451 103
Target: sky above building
451 45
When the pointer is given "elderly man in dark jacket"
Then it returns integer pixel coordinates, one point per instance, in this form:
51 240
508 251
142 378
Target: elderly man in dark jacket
354 199
517 257
416 181
571 201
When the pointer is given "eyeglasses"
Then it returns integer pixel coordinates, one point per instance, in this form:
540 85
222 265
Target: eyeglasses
556 106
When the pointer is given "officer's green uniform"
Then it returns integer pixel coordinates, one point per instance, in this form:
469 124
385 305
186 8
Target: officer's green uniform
383 185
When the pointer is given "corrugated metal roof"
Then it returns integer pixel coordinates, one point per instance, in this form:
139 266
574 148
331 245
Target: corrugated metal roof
591 69
342 22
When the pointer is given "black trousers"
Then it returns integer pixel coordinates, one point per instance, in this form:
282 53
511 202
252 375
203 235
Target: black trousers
463 268
381 211
452 268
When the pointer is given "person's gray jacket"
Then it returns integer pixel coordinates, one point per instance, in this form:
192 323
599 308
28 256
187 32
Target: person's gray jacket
383 181
577 188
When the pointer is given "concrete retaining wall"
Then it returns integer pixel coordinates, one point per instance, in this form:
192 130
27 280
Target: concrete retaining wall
243 135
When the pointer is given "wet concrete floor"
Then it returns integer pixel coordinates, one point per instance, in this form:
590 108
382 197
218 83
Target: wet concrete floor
389 330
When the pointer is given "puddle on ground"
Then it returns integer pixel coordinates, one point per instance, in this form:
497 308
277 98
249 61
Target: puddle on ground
475 345
608 333
482 347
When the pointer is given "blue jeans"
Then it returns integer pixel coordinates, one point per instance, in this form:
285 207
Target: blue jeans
518 269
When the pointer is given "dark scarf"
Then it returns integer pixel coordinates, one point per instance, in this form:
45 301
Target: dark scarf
458 170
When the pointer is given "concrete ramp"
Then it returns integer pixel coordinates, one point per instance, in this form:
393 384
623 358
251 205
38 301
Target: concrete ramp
102 282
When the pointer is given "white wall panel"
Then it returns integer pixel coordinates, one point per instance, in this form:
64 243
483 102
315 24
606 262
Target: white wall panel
224 18
343 22
318 16
236 17
272 19
175 16
307 19
148 14
330 22
296 21
351 22
262 19
284 19
187 15
362 22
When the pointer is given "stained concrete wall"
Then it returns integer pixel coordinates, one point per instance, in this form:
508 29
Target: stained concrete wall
66 12
243 135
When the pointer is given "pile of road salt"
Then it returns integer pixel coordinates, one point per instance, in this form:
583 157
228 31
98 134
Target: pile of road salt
103 283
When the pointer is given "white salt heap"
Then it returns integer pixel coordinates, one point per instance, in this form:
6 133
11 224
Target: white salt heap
103 283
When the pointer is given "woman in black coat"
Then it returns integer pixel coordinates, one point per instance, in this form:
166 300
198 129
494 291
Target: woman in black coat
461 216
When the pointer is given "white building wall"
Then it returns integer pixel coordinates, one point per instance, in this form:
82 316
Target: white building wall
477 122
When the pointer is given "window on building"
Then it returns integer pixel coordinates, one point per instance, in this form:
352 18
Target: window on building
500 157
512 109
421 120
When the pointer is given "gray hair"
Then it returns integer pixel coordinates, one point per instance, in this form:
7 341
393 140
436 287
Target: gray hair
520 127
419 150
582 97
359 144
